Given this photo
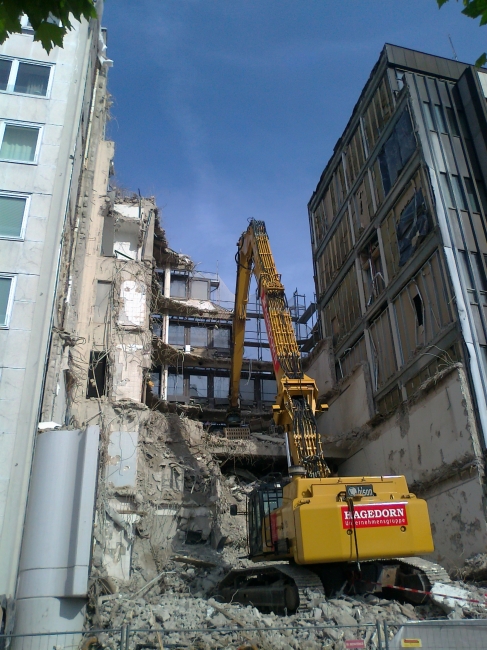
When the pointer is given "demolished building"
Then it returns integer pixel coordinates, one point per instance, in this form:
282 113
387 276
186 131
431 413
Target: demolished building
134 472
398 229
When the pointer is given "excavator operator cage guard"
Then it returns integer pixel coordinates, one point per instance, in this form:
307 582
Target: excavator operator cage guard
262 501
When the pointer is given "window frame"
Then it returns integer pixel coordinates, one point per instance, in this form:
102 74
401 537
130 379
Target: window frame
23 228
25 24
29 125
176 277
10 301
12 78
27 27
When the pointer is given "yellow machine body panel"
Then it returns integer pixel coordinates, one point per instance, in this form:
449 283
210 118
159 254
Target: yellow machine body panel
320 525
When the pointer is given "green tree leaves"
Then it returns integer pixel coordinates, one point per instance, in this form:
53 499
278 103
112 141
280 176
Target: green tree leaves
50 19
473 9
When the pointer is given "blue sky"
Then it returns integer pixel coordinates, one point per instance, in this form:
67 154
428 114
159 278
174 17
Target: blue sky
226 110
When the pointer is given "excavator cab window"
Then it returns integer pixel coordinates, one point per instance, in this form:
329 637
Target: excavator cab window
262 502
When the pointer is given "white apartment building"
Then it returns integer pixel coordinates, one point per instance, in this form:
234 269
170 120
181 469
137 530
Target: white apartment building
46 109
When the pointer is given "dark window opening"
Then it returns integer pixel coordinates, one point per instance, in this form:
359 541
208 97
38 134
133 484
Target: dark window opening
176 334
198 386
429 116
160 280
463 124
221 337
400 79
419 308
471 195
452 121
335 330
108 237
372 272
458 193
445 188
5 66
97 374
199 337
479 273
413 226
156 322
440 119
483 195
199 289
466 272
32 79
397 151
178 287
155 381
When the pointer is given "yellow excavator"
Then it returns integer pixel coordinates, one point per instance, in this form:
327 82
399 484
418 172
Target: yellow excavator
311 529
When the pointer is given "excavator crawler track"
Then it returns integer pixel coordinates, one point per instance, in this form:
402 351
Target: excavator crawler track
305 581
278 586
434 572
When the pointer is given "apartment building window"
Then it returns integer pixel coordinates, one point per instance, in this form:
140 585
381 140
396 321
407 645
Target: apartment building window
247 390
268 390
458 193
155 378
179 286
440 119
372 273
198 386
97 374
7 290
400 75
429 116
221 387
452 122
199 289
175 385
445 188
199 337
13 213
413 226
397 150
25 24
27 27
19 142
24 77
176 334
221 337
471 195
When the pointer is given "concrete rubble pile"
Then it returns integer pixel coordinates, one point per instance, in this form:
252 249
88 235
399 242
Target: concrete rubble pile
183 543
476 568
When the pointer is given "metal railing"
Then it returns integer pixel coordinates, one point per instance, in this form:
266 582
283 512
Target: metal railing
378 635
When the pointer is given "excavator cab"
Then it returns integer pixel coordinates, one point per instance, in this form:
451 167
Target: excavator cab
266 498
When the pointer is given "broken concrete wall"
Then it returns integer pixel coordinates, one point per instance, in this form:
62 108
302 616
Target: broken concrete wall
132 342
432 440
350 405
320 366
157 487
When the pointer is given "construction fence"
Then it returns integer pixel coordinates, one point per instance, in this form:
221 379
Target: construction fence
429 635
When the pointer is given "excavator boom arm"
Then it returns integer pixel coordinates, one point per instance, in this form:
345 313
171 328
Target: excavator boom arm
296 393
